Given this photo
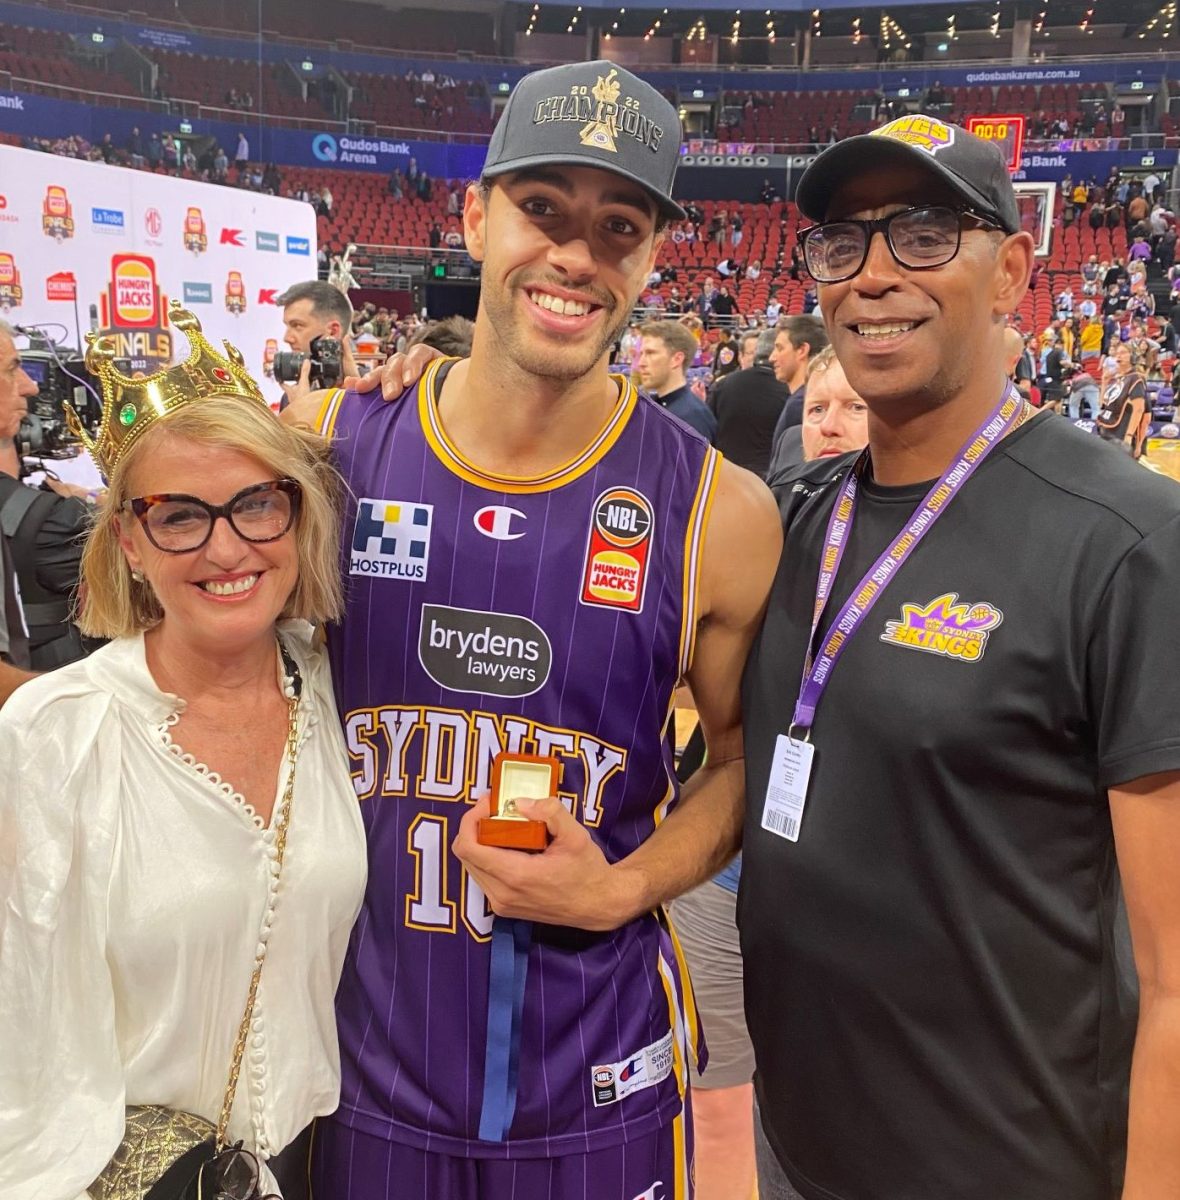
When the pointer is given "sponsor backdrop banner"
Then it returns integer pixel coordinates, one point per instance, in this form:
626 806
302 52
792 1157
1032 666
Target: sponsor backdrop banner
83 245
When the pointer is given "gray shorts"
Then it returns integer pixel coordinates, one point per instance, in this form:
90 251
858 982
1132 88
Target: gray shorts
705 923
773 1183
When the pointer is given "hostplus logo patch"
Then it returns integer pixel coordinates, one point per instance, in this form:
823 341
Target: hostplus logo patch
391 540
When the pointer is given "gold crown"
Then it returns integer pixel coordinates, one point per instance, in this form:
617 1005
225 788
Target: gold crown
131 406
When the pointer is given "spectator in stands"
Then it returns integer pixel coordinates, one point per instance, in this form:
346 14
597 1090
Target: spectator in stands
242 154
1151 186
1090 281
774 308
1087 308
717 228
220 165
1090 340
106 149
454 203
1141 303
754 270
1080 195
1021 367
748 404
666 351
155 151
1065 303
272 181
1140 249
810 299
725 355
797 341
172 153
735 230
434 237
1097 217
1165 252
1122 417
188 159
1053 371
1114 214
766 193
728 268
135 148
324 206
1137 210
1144 350
724 305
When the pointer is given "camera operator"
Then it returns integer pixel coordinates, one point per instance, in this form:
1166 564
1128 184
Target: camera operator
315 315
43 529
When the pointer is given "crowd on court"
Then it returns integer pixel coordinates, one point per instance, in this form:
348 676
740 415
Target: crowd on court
902 922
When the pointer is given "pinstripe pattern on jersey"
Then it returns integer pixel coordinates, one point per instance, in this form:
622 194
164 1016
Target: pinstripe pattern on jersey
413 1001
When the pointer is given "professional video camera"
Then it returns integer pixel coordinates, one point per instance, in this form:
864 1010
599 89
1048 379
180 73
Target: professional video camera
60 375
327 363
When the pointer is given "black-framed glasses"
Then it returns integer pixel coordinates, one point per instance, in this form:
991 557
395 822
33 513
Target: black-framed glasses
178 524
235 1174
919 239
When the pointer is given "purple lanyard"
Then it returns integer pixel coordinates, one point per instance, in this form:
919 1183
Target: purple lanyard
818 670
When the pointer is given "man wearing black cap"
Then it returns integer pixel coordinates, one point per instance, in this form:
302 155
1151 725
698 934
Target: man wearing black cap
536 557
962 751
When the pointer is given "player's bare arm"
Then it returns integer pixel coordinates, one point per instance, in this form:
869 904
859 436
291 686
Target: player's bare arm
10 679
1146 818
571 882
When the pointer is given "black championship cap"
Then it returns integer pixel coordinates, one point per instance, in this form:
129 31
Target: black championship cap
591 114
975 169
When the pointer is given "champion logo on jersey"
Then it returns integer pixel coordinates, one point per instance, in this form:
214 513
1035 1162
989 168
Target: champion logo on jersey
945 627
612 1082
391 539
615 571
500 523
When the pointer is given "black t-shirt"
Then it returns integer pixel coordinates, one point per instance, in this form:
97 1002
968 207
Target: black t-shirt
938 1001
748 405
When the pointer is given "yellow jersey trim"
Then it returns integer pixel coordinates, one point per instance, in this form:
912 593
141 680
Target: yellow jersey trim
450 457
694 542
329 410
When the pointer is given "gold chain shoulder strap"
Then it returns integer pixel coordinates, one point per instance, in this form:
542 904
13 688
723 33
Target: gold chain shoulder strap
281 828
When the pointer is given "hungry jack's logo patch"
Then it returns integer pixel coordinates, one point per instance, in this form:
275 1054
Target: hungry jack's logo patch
615 573
945 627
926 133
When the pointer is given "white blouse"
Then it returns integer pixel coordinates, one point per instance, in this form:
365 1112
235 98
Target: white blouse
135 887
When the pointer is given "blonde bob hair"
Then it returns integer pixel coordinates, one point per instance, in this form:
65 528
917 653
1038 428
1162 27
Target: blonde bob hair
112 604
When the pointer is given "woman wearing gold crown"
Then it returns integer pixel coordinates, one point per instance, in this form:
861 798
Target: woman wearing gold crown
181 852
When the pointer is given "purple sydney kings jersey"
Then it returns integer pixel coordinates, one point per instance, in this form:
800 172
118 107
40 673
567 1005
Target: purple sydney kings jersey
552 616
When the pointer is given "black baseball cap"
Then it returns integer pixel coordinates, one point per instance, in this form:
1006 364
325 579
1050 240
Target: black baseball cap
975 169
593 114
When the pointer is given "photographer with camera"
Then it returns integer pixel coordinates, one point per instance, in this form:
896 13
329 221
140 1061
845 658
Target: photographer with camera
318 318
43 529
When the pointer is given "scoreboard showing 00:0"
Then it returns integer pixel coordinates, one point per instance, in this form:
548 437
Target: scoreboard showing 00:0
1006 131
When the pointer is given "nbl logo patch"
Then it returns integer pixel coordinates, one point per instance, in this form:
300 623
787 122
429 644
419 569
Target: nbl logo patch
391 539
617 550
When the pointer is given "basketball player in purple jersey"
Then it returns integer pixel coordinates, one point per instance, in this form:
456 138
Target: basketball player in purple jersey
536 557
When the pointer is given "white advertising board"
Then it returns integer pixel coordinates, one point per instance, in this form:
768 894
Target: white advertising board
84 245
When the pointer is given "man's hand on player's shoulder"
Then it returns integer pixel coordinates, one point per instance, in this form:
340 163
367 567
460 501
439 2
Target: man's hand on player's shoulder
397 373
